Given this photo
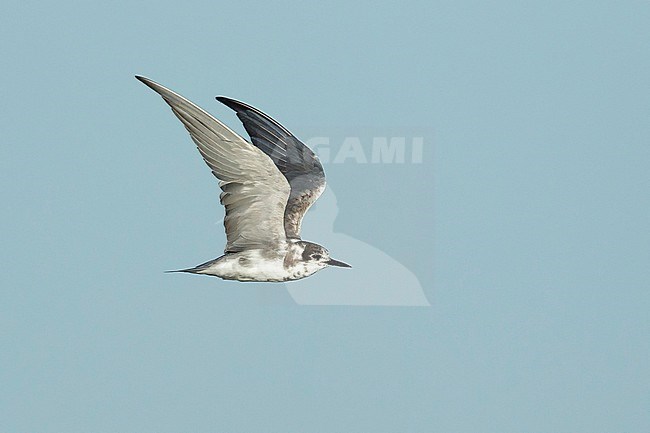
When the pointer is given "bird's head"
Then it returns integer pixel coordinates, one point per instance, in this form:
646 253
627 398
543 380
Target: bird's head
317 255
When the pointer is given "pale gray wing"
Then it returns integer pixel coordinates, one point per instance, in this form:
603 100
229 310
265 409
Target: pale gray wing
254 191
293 158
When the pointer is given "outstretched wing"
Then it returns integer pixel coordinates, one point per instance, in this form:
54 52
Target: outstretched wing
254 191
293 158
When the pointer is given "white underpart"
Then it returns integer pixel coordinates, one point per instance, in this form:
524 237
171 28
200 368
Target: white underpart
263 265
248 265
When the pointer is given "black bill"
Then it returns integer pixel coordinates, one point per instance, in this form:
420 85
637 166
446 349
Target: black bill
333 262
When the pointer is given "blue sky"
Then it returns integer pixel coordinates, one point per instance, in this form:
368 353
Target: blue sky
525 223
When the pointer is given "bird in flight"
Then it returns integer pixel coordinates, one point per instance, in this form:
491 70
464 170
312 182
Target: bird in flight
267 184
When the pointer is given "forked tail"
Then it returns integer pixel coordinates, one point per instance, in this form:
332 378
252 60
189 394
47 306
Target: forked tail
200 269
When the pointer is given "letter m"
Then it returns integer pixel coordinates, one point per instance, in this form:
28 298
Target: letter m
388 152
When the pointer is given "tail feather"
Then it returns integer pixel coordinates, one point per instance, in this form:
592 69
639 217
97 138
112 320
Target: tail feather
189 270
197 269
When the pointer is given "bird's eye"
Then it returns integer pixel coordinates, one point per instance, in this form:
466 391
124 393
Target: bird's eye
317 256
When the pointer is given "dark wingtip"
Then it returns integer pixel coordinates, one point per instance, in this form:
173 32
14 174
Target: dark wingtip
234 104
147 81
230 103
